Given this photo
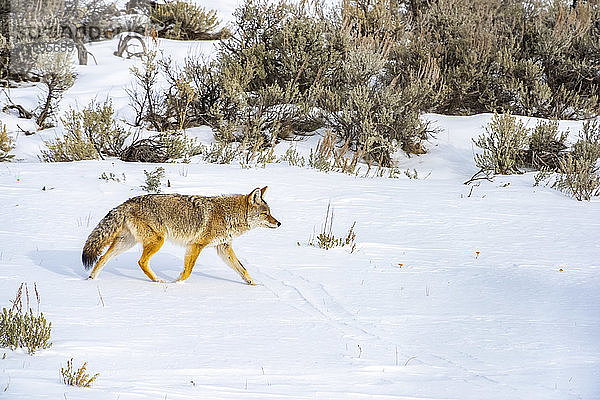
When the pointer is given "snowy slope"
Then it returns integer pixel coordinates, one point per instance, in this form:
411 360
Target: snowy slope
492 293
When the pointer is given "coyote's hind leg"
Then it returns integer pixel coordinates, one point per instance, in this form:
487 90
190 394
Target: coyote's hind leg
123 242
191 254
151 246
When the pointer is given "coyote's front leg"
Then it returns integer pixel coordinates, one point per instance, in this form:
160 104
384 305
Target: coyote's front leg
226 252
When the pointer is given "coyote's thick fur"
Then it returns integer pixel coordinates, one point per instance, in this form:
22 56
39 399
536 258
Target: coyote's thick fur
193 221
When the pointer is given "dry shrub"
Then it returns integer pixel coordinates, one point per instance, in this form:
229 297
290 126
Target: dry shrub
153 180
502 144
546 144
533 58
577 173
20 327
326 239
78 377
56 73
578 178
6 145
183 20
90 134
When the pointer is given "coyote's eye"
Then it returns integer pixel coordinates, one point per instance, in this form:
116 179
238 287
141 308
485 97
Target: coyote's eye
265 214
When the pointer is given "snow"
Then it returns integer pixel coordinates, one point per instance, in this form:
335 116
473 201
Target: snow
492 293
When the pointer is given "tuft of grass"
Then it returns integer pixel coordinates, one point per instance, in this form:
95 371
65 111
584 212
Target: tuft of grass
221 153
111 176
6 145
326 239
78 377
327 158
292 157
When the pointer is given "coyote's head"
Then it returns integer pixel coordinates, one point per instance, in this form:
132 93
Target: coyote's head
259 214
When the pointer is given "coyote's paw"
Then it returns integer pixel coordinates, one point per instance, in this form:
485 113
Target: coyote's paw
251 282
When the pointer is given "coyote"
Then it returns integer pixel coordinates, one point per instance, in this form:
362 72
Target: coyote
193 221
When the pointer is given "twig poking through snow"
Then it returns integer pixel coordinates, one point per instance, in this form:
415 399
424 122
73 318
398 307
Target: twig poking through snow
100 295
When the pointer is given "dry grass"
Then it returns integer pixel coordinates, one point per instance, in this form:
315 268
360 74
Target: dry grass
78 377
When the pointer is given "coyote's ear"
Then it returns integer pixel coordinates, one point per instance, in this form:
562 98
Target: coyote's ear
255 196
263 190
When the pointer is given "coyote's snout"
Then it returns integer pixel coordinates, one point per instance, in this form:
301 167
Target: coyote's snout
193 221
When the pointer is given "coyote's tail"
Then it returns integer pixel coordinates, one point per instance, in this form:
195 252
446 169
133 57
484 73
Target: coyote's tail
102 235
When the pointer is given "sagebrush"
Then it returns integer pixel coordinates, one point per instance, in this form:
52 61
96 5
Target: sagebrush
288 70
577 172
530 58
502 145
20 327
90 134
546 145
184 20
56 72
578 178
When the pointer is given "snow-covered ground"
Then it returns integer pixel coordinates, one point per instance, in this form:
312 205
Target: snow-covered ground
489 291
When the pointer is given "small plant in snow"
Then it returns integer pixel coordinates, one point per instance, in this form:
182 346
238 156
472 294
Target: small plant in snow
327 240
256 153
78 377
292 157
111 176
318 160
220 153
152 183
20 327
6 145
327 158
394 173
411 174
